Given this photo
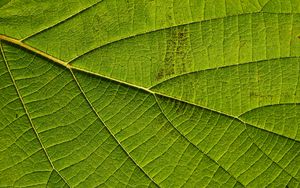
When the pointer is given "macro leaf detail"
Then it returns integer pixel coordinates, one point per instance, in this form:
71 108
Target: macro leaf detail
189 93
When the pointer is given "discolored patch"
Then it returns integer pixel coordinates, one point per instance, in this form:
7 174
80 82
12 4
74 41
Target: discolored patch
176 55
262 95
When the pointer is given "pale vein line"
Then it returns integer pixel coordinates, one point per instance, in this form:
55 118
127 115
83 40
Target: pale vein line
262 8
206 154
94 110
164 28
110 78
65 64
47 185
280 104
282 168
47 56
224 114
289 181
221 67
30 48
245 124
28 115
60 22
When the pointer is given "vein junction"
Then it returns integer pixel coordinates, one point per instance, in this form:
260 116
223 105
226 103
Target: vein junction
70 67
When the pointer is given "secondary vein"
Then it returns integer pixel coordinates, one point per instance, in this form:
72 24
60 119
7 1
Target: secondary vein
32 49
70 66
94 110
62 21
27 113
162 111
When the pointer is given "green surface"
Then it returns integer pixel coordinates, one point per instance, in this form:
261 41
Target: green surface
169 93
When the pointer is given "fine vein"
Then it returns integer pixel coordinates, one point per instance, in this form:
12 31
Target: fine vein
283 169
246 124
218 68
62 21
206 154
70 66
94 110
28 115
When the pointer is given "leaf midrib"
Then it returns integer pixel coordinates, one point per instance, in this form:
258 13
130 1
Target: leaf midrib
108 129
206 108
70 67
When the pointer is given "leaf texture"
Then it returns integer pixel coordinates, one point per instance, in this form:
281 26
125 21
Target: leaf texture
150 93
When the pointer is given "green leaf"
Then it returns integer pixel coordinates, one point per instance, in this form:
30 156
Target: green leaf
129 93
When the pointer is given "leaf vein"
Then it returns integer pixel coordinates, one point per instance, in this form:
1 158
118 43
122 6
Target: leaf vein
206 154
62 21
90 104
27 113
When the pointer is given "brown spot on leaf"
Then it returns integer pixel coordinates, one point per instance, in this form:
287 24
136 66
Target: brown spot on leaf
261 95
175 58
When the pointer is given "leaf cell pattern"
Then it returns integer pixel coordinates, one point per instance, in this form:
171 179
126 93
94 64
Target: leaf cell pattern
150 93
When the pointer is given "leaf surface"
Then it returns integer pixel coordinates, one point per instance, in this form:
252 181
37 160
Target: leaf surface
150 93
